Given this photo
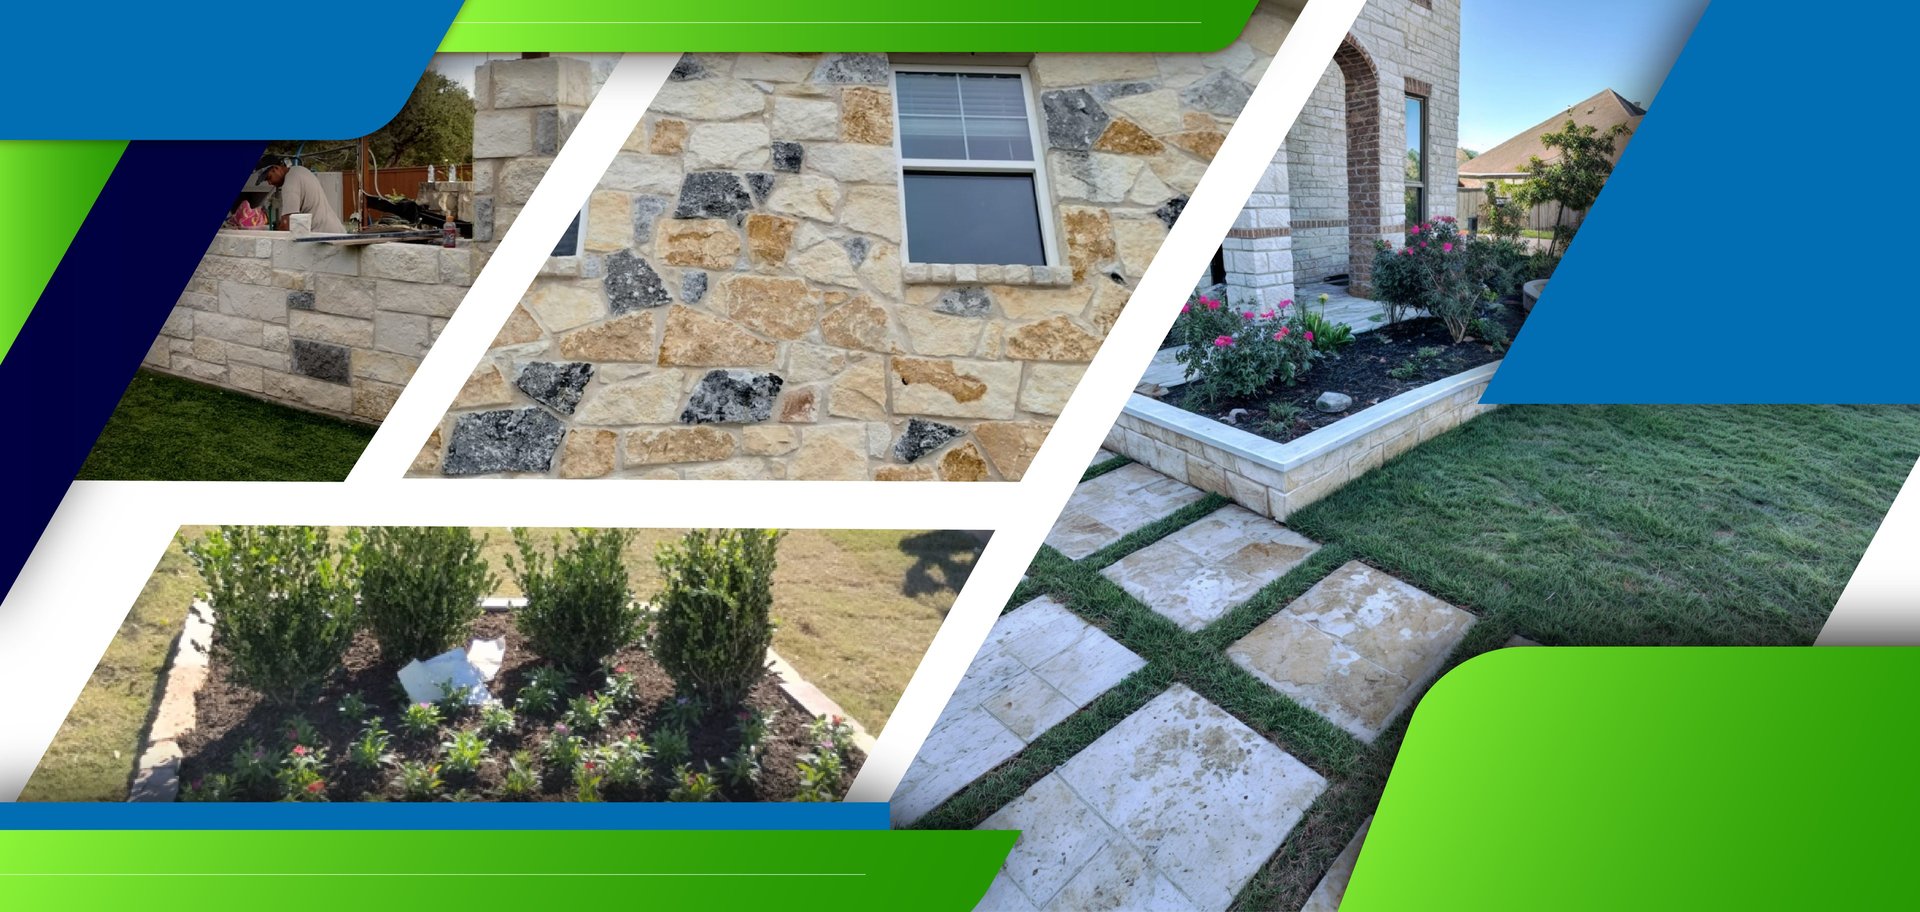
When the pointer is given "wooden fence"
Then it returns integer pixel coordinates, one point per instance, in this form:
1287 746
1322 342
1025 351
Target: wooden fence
389 180
1473 202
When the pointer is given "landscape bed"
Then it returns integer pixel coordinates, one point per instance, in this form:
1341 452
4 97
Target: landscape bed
231 720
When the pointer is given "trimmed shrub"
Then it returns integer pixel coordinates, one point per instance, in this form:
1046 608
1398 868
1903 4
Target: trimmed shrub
579 608
1434 273
421 587
283 601
713 621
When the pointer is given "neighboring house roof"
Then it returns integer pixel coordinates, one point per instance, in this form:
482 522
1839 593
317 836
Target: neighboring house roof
1508 160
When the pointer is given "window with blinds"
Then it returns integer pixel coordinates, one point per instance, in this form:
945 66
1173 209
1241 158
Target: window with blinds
970 169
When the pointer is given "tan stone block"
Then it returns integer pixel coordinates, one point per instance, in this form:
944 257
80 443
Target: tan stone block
628 337
653 398
827 263
669 137
676 445
732 146
1056 339
807 362
709 99
873 210
1204 143
769 440
807 196
866 116
773 67
1086 69
1012 444
768 238
587 453
800 406
1179 172
882 269
1108 301
859 323
1029 302
830 453
327 397
372 400
520 328
805 118
485 387
694 339
704 243
964 463
609 221
319 327
1125 137
930 333
1048 386
1090 243
860 392
735 470
560 305
919 472
427 461
954 388
853 162
386 367
784 308
1136 241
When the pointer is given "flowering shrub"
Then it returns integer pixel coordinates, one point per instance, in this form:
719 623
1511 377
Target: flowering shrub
1233 351
1435 273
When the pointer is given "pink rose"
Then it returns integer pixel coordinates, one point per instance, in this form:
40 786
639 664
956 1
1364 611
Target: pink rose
1247 316
1211 303
1415 229
1286 304
1223 342
1423 245
1186 308
1267 316
1447 248
1282 334
1309 335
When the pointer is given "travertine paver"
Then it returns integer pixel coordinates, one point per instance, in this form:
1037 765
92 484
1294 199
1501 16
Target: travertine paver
1197 574
1176 807
1333 887
1040 664
1107 508
1355 647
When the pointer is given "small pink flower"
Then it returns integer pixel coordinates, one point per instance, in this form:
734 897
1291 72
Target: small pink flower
1186 308
1423 245
1415 229
1211 303
1406 251
1282 334
314 787
299 750
1448 248
1309 335
1223 342
1267 316
1247 316
1286 304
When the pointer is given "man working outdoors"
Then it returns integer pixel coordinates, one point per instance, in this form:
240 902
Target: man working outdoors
300 192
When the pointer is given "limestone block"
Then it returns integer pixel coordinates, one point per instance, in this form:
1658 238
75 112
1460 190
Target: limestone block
873 210
385 367
561 305
637 173
502 134
694 339
860 391
624 338
408 297
539 82
587 454
318 394
709 99
805 119
255 302
954 388
321 327
810 196
784 308
676 445
402 333
930 333
652 398
372 401
854 162
1085 69
609 221
1048 386
831 453
866 116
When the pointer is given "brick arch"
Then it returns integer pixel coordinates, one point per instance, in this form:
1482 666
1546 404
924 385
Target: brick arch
1364 177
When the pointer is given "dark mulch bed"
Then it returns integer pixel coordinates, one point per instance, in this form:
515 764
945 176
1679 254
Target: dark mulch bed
1361 370
228 715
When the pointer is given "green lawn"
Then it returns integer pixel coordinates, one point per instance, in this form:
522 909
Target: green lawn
169 429
1568 525
857 610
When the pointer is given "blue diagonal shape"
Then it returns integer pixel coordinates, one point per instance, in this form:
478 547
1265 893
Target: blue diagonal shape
1751 246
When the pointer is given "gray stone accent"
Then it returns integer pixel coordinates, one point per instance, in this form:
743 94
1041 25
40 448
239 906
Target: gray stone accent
689 67
693 286
853 69
633 285
732 397
759 183
712 194
646 211
556 385
322 361
857 248
504 440
965 301
1169 211
300 300
788 156
922 437
1074 119
1107 91
1221 93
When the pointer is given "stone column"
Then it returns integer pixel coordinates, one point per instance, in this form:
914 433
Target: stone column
523 112
1259 249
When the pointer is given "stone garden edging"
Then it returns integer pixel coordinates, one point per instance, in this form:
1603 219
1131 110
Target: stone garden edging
156 775
1276 479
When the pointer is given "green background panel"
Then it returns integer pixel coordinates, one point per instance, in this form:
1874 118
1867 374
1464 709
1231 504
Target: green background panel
48 188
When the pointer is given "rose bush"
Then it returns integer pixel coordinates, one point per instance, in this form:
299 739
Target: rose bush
1237 351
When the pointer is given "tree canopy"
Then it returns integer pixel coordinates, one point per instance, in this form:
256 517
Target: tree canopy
434 127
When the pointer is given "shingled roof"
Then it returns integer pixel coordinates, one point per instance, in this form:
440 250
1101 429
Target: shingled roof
1508 160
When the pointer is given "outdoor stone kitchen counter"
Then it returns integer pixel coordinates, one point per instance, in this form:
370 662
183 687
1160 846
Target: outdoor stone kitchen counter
325 327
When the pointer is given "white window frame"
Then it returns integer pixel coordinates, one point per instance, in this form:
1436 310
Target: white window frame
1037 167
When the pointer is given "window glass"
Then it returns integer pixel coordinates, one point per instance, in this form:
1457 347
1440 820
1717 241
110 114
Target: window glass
1416 139
963 117
1416 205
569 243
973 218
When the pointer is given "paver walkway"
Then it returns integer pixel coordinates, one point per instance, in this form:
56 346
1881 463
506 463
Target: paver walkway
1355 648
1107 508
1038 666
1176 807
1197 574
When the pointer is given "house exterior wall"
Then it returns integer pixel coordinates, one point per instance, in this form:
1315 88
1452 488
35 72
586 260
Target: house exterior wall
742 308
1304 225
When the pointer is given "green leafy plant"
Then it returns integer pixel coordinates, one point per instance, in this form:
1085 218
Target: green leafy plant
252 771
820 775
1328 336
623 764
418 780
622 688
354 708
420 720
463 754
1231 352
685 712
563 748
207 788
1433 272
369 752
579 608
283 600
1574 179
520 782
692 786
752 726
496 721
1280 418
1501 215
671 747
452 703
713 618
543 692
421 587
1418 364
741 768
587 780
590 712
300 731
300 774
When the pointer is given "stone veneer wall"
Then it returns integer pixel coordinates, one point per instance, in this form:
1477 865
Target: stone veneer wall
1275 479
1301 224
741 309
330 329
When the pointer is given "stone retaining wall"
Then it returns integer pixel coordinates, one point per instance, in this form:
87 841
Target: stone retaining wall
742 307
1276 479
326 328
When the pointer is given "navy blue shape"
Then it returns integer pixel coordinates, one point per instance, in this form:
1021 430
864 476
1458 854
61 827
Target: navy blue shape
99 314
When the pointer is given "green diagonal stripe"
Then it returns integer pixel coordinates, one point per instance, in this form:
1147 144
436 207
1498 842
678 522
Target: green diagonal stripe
48 188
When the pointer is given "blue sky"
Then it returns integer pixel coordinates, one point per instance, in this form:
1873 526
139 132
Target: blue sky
1523 60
